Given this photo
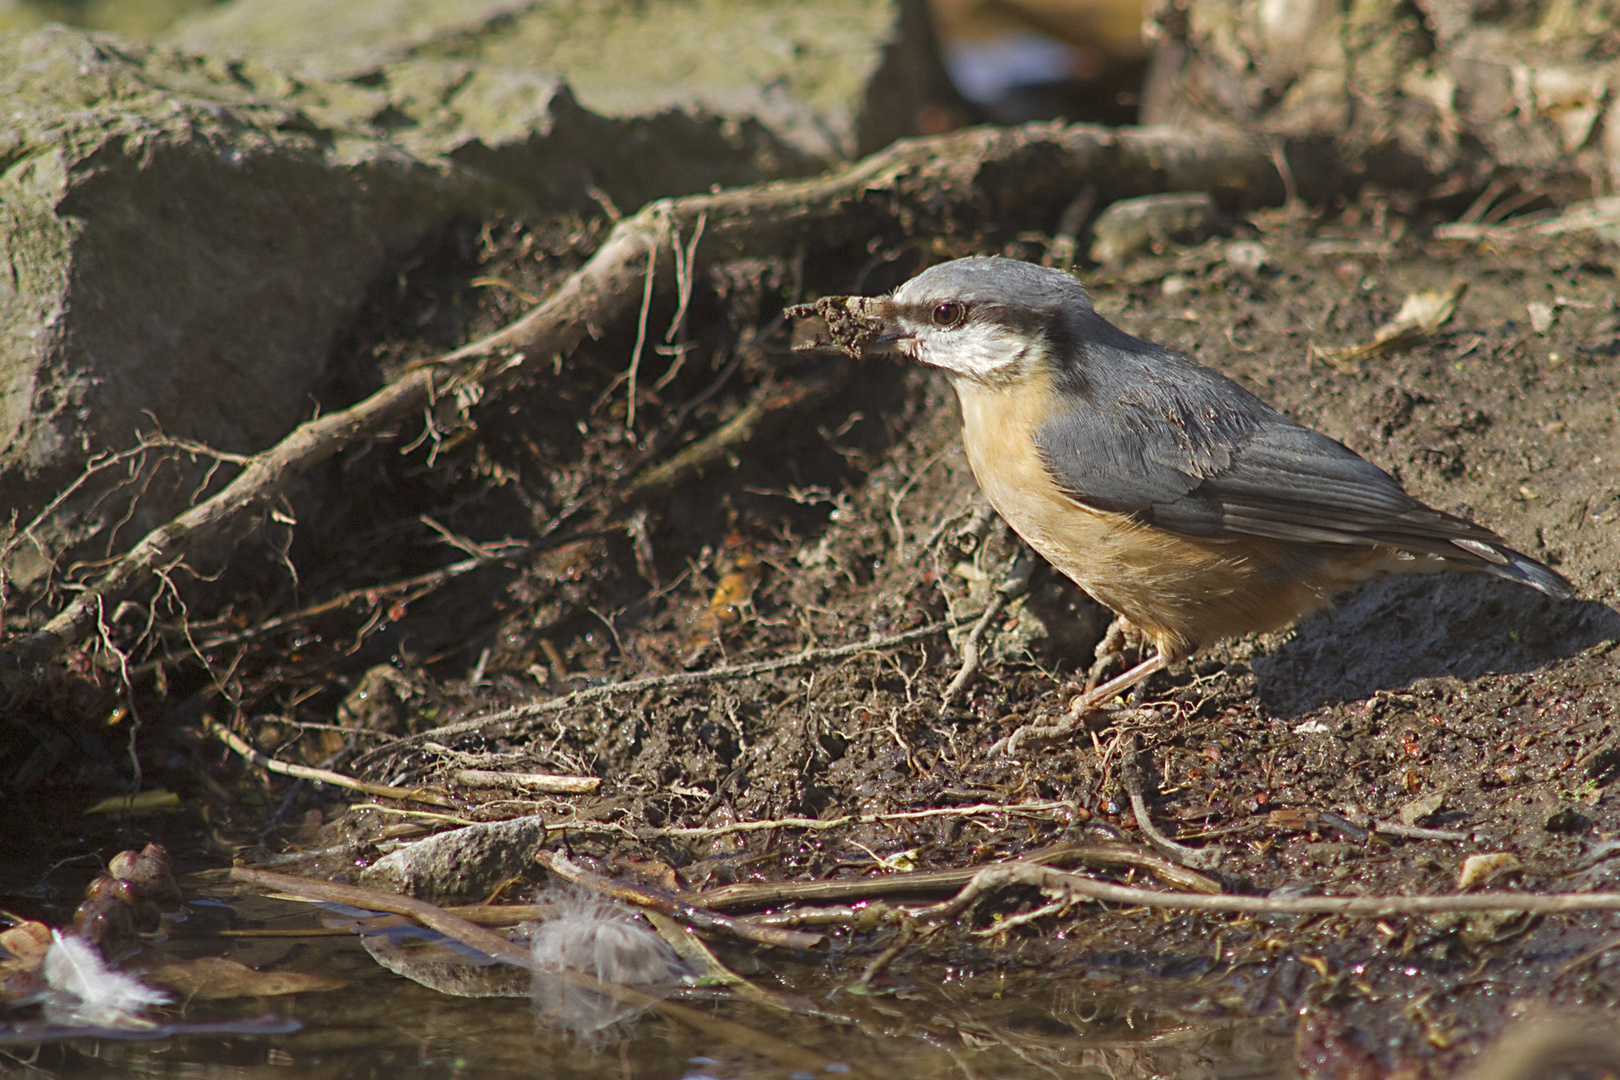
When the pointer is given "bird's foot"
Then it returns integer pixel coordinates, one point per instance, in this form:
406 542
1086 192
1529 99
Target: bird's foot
1092 701
1122 636
1072 720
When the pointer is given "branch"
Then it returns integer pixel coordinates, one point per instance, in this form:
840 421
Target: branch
1063 883
306 772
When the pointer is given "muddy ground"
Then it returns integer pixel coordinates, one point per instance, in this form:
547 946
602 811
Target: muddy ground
1462 704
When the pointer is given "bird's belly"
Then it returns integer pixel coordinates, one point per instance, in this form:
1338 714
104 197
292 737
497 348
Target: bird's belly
1184 592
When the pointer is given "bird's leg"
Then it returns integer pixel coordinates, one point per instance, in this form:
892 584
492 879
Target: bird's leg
1122 634
1080 707
1095 698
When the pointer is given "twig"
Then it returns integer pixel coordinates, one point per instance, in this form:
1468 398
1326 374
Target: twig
1001 926
691 914
1062 882
1417 832
1547 1044
902 940
641 334
701 959
738 430
594 694
1589 216
823 824
929 882
1130 774
685 261
306 772
1016 583
533 783
927 177
1061 251
491 944
412 588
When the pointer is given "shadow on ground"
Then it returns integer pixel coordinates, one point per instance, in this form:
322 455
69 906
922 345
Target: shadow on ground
1395 631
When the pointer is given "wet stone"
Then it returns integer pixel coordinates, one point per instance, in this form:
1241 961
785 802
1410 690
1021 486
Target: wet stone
460 866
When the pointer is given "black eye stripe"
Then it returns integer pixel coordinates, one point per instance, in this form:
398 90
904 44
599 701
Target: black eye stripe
948 314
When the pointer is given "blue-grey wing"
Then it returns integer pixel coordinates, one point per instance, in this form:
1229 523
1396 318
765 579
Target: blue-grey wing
1143 431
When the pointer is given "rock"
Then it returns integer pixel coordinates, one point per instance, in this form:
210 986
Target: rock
179 249
1568 821
830 78
1129 225
188 236
1482 869
460 866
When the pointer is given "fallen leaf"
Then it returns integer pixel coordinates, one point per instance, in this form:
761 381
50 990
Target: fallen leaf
1421 315
20 975
1479 869
144 803
210 978
27 942
1422 807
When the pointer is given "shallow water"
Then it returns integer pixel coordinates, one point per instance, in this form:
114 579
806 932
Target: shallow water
1012 1024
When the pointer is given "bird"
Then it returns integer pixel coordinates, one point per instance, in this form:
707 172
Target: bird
1163 488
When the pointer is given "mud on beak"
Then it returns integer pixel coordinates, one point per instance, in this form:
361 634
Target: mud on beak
858 326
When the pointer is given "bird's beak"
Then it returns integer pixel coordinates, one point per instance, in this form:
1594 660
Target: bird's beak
886 344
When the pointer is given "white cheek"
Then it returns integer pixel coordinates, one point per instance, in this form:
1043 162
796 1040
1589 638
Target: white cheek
977 350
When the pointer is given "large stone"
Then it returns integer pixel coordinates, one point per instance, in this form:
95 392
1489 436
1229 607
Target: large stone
460 866
186 235
831 78
178 246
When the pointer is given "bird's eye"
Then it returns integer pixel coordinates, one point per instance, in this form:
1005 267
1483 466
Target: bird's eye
948 314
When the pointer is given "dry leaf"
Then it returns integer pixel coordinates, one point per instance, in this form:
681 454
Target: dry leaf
734 590
27 942
1479 869
210 978
1421 314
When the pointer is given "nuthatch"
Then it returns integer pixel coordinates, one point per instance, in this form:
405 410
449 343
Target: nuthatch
1163 488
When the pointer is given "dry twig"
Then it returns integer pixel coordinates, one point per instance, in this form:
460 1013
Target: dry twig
1015 585
1063 883
532 783
509 719
701 918
1136 787
307 772
930 882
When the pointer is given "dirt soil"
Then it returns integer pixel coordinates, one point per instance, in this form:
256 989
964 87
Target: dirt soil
1461 704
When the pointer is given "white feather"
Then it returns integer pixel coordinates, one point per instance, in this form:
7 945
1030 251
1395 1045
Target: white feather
84 990
603 939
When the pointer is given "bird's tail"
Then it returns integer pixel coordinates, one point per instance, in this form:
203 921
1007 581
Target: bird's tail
1504 562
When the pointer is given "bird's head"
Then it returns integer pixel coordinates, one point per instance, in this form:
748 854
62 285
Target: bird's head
991 320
